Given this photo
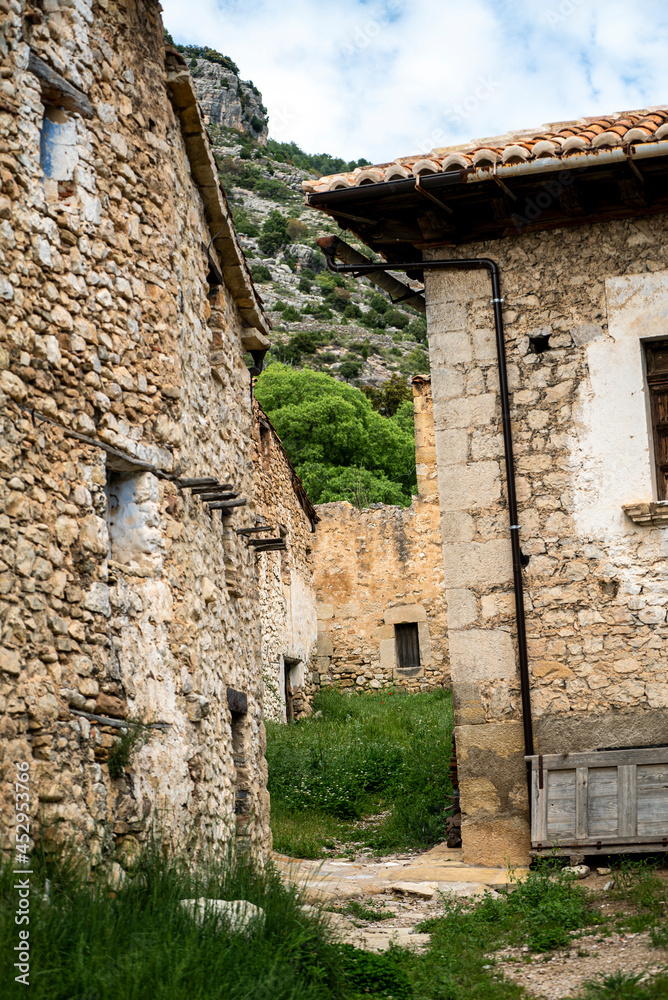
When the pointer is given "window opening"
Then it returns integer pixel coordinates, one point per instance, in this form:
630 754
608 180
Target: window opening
656 361
407 646
539 344
238 704
287 690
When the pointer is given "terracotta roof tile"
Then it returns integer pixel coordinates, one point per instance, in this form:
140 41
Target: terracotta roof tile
553 140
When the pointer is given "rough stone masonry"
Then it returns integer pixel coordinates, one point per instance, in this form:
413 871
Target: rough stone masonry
126 307
378 570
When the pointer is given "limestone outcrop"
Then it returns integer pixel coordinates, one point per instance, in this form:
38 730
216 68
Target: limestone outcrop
227 101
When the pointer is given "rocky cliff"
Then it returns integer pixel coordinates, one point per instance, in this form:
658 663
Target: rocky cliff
227 101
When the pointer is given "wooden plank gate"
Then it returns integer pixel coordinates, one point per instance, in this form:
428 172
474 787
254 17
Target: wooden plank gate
613 801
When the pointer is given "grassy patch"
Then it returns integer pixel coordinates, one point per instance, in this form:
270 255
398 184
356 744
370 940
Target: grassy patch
639 887
357 756
538 912
372 910
88 942
303 834
623 986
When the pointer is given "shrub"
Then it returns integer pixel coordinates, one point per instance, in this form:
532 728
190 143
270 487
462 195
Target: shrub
394 317
261 273
415 362
291 315
350 368
379 303
297 230
319 311
304 285
268 187
244 224
417 330
274 233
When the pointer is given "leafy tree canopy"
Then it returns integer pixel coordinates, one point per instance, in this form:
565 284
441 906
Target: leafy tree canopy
335 438
388 397
321 163
204 52
274 233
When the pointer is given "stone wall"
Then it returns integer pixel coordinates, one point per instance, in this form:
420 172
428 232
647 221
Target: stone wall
285 570
121 376
596 591
381 567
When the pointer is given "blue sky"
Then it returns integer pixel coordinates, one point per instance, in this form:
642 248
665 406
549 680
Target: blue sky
388 78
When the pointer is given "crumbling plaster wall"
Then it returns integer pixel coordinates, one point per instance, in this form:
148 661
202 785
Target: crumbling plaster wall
286 592
596 591
378 567
106 331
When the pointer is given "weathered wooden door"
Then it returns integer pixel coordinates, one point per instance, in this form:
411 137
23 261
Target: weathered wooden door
612 800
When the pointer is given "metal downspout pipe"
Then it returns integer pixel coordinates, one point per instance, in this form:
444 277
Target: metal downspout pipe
331 247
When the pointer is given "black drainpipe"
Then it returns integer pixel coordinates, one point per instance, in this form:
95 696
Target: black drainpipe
328 246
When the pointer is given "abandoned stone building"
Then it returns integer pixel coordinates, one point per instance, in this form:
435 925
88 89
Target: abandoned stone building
148 549
286 590
545 262
379 583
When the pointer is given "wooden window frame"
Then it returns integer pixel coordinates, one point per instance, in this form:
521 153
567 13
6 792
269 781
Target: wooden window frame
656 376
402 630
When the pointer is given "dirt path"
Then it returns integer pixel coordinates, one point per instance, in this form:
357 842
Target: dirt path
562 975
408 888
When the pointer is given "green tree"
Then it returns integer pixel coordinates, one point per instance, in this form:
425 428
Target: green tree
350 368
417 330
328 423
326 483
390 395
274 233
415 362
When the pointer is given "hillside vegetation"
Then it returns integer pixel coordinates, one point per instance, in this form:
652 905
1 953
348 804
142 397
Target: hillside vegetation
322 321
341 447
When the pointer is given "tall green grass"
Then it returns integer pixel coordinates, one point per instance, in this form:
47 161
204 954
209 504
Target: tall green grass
360 754
138 943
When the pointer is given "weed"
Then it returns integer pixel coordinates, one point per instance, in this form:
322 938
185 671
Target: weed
304 834
371 910
383 975
131 739
637 882
625 986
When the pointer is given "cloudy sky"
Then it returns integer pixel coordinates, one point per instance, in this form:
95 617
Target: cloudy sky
388 78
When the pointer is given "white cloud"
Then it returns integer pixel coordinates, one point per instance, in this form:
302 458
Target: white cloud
388 78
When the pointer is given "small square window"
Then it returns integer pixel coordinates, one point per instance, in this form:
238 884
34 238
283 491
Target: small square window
407 646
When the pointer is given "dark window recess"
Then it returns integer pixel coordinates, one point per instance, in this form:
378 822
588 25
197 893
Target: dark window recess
656 356
407 646
287 689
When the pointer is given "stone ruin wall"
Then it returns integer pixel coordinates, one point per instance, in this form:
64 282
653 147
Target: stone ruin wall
106 332
286 594
375 568
596 592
